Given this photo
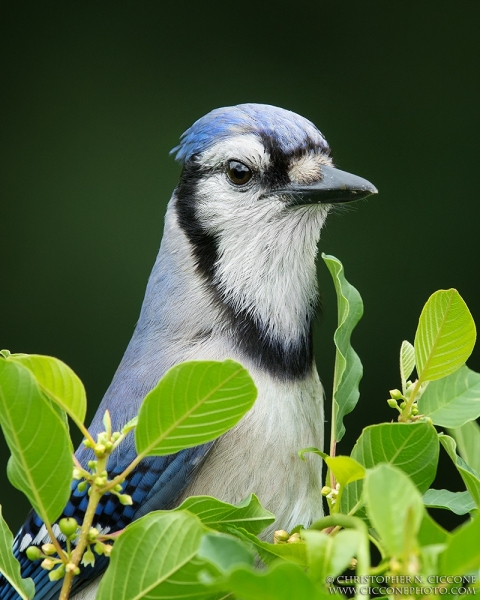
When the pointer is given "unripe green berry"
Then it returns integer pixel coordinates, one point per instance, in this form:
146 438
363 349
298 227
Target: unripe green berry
116 435
92 465
294 538
68 526
396 394
102 437
280 536
392 403
77 474
99 548
107 549
33 553
93 534
415 410
99 450
48 564
403 404
326 490
108 446
82 486
125 499
48 549
57 574
87 443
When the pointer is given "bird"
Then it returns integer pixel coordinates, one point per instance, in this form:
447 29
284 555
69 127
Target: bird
235 278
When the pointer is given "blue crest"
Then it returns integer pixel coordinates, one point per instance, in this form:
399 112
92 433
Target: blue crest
289 130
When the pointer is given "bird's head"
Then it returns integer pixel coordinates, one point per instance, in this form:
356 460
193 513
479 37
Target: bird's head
250 168
256 186
257 153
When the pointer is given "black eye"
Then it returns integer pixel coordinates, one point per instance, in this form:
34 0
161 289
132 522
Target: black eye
238 173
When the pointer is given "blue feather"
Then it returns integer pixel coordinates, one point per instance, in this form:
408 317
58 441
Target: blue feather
289 130
154 485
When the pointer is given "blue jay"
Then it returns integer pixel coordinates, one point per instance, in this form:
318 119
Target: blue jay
235 278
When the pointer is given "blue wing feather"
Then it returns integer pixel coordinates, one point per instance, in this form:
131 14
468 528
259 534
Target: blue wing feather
155 484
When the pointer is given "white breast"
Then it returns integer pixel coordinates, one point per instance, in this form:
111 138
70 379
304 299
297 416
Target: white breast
260 454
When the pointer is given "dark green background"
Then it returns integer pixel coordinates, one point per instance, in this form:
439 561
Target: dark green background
95 94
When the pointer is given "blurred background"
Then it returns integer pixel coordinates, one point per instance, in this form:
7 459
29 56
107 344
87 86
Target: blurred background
96 94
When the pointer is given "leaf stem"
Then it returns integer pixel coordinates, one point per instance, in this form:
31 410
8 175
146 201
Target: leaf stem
363 555
405 415
333 441
376 543
71 414
354 509
95 497
121 478
77 463
56 543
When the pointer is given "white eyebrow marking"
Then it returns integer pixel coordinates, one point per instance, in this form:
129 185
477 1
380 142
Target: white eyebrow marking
247 148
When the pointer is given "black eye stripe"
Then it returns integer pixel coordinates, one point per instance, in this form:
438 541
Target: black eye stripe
238 173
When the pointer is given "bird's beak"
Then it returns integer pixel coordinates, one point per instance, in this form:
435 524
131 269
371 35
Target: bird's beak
335 187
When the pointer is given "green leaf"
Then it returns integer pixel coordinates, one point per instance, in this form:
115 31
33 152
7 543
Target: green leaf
190 582
154 556
460 503
248 514
431 532
330 555
58 382
395 508
407 361
470 477
453 400
348 368
412 447
462 555
41 463
285 581
345 469
224 551
468 442
194 403
445 335
9 565
319 549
